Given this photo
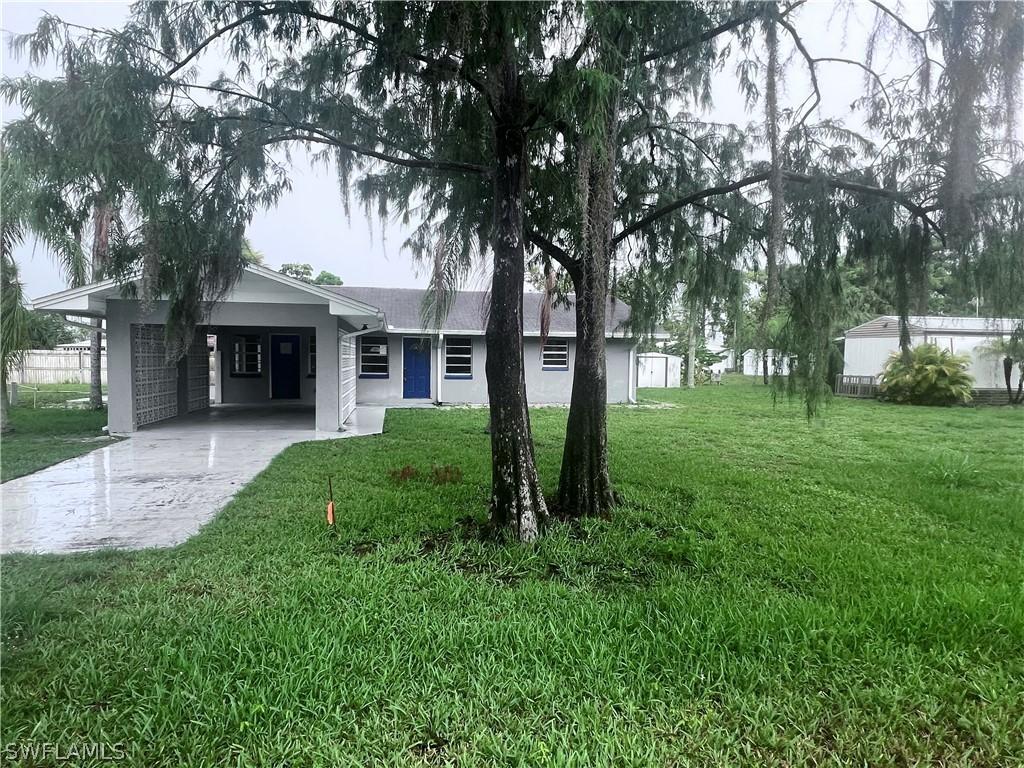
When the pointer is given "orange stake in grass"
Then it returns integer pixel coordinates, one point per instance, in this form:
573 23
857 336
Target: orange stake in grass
330 503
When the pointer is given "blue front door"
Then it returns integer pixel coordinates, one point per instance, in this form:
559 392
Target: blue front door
415 368
284 367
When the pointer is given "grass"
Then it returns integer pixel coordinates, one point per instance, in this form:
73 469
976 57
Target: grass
40 437
772 592
50 395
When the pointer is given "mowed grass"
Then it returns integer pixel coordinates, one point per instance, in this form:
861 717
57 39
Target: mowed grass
847 591
40 437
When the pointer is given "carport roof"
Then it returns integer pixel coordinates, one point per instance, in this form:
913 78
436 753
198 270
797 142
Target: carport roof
91 300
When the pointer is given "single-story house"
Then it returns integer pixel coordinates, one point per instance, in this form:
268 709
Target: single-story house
656 369
753 365
283 341
869 345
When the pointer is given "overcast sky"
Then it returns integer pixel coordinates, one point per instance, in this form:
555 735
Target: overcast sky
309 225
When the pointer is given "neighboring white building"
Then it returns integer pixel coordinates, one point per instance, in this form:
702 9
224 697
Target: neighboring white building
752 365
654 369
716 344
868 346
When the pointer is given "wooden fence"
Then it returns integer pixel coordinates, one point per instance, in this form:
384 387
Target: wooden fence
856 386
56 366
867 387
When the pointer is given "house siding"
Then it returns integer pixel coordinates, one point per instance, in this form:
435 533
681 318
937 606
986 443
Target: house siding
542 386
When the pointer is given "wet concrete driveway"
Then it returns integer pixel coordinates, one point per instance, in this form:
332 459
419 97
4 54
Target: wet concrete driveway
158 487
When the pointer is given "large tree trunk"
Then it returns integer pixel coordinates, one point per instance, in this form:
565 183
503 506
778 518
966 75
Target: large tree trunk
775 187
1008 377
517 505
584 485
103 215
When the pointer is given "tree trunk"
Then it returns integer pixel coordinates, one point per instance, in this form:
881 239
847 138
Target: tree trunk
517 505
584 485
103 215
5 403
691 349
96 366
775 186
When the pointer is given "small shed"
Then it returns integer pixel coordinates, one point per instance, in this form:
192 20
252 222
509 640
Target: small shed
869 345
752 363
655 369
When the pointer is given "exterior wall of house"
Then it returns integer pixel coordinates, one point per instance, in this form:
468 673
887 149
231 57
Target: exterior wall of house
542 386
251 389
867 355
251 317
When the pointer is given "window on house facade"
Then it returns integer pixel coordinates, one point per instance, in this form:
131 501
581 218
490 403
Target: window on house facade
458 357
247 355
373 356
555 355
312 355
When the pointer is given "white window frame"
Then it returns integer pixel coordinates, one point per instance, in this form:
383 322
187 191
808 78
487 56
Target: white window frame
246 348
364 374
554 355
461 355
311 356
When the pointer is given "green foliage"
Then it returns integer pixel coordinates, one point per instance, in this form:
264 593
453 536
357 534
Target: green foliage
46 331
303 272
327 278
771 592
931 376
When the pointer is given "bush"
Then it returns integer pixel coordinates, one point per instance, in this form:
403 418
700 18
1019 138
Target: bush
932 377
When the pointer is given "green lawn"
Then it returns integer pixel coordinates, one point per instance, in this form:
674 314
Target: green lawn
40 437
773 592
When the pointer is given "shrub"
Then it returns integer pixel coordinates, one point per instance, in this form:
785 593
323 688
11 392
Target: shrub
933 376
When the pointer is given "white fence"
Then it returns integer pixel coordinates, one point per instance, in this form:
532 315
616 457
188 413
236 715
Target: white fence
56 366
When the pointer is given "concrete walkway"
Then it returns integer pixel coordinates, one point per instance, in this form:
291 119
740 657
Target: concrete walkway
160 486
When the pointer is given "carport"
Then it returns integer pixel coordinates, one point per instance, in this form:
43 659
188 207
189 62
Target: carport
280 343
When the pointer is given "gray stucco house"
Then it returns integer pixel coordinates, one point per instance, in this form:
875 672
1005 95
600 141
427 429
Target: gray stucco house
280 341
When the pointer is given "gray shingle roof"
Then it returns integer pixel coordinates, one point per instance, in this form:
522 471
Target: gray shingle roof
401 307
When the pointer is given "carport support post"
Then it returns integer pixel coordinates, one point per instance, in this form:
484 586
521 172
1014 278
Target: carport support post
328 374
120 392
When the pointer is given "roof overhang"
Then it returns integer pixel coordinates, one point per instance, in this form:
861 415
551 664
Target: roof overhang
91 300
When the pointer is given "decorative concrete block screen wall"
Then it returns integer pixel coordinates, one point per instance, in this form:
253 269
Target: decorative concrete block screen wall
198 374
155 383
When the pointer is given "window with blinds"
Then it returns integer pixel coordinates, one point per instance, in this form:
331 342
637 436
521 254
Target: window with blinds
373 357
458 357
555 355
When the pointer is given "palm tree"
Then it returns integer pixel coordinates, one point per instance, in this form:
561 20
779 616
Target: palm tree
29 208
14 329
1011 350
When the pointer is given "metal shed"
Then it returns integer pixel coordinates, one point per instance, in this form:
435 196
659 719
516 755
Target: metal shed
655 369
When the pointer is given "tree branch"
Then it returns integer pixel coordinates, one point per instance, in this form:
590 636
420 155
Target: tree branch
548 248
801 178
708 36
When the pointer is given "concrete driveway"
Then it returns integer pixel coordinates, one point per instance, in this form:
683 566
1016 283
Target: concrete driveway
160 486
